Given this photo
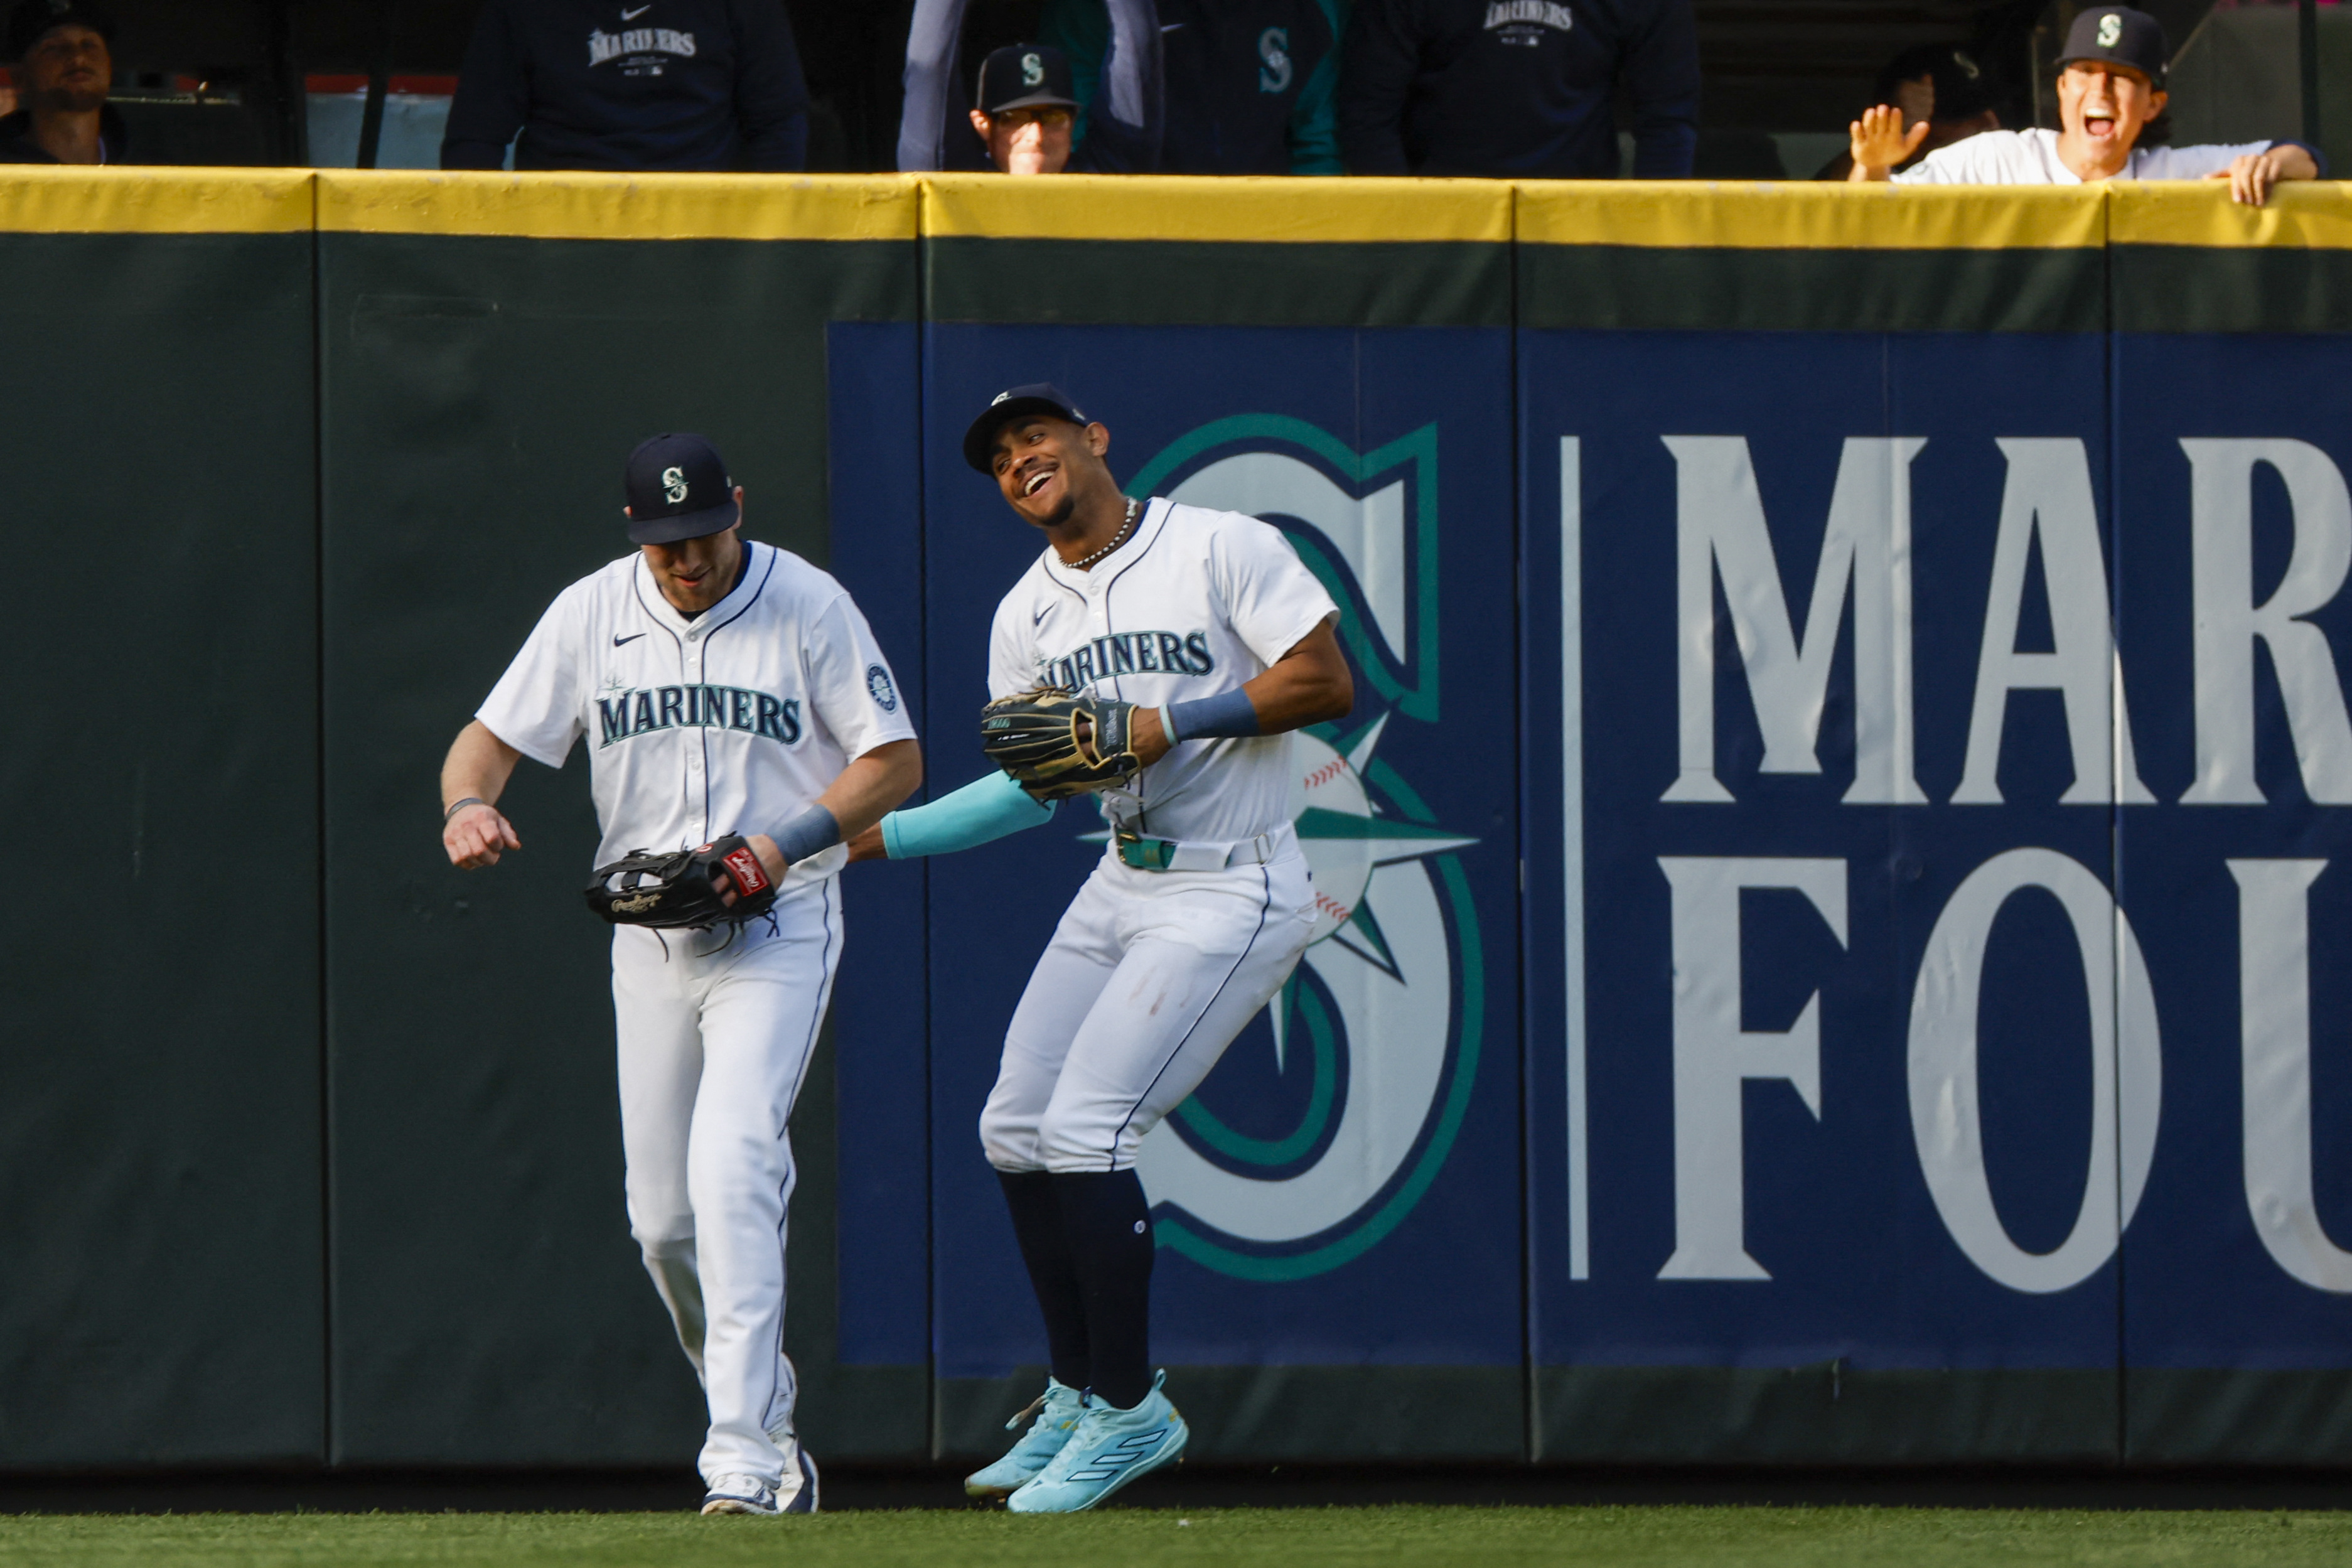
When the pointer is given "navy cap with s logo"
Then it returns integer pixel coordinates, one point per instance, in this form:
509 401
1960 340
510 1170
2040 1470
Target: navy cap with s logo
678 489
2119 35
1025 76
1015 403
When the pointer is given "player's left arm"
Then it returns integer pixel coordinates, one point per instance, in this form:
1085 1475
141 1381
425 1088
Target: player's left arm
866 790
2251 174
1307 685
856 701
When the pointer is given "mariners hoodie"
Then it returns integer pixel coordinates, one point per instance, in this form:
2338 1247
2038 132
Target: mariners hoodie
630 84
1517 88
1249 83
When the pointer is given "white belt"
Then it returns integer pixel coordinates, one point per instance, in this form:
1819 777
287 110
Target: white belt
1144 853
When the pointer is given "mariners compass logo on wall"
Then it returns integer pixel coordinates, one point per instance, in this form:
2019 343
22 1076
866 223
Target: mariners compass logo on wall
1326 1121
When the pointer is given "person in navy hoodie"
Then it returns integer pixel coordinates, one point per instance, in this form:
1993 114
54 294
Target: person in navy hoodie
1250 83
1518 89
679 85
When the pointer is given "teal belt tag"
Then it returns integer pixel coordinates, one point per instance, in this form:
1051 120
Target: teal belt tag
1146 854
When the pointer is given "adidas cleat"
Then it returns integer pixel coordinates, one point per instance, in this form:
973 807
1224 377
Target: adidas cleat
1109 1448
1057 1411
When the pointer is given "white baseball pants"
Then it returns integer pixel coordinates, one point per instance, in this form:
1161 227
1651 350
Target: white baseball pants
715 1037
1150 976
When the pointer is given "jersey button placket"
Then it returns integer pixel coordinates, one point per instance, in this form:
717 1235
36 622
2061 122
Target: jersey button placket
694 743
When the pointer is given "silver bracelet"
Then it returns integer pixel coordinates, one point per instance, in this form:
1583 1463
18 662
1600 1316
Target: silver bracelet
456 806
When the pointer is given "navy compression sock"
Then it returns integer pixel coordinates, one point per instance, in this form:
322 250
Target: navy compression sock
1107 1222
1046 1248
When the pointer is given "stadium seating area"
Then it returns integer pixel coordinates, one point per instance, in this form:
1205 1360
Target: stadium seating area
227 82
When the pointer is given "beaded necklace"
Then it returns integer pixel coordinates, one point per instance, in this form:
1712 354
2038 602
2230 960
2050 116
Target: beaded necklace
1134 511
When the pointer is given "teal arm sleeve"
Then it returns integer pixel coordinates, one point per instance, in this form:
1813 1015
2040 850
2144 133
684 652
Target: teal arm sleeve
982 810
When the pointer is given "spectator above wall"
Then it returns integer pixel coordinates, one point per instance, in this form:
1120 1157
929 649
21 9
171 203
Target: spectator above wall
1521 88
2110 90
705 85
63 55
1942 86
942 92
1251 85
1025 112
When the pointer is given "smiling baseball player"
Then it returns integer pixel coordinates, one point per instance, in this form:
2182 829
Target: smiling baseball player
1185 645
721 687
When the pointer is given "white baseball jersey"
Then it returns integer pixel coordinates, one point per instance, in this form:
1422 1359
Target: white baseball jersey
733 721
2031 158
1196 603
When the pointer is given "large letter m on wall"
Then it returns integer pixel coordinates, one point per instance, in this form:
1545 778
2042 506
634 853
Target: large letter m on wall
1720 529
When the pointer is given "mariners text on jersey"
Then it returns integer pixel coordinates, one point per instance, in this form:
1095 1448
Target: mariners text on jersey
1128 653
730 722
1244 598
626 713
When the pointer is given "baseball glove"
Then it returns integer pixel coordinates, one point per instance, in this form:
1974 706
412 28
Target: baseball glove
1058 743
683 889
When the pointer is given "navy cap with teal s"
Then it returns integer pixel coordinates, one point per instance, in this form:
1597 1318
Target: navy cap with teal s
1025 76
678 489
2120 35
1014 402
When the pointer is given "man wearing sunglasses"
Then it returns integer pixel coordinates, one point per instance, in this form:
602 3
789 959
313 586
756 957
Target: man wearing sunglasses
1021 103
1027 112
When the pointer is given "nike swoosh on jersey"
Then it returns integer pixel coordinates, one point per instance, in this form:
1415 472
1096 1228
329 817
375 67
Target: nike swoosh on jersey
618 639
633 16
1039 618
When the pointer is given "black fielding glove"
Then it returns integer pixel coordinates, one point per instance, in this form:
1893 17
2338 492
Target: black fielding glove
1058 743
683 889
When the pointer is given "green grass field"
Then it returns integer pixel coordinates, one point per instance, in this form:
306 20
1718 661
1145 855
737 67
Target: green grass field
1213 1538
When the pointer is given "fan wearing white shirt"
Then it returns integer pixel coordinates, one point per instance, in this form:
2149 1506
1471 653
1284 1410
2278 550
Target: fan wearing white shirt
2110 86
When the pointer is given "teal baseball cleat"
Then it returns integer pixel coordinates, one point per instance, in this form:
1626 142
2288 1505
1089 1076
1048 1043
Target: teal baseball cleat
1057 1411
1109 1448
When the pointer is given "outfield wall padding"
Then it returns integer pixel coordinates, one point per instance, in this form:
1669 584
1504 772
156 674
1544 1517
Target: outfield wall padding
162 1300
1828 921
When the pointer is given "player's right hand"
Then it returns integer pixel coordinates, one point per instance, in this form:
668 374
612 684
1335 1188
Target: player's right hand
1877 142
867 846
476 837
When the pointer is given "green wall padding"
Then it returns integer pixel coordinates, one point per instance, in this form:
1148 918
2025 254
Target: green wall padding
159 1234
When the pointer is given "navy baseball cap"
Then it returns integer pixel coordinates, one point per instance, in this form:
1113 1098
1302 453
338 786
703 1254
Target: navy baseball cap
1014 402
1019 76
32 19
2120 35
678 489
1963 89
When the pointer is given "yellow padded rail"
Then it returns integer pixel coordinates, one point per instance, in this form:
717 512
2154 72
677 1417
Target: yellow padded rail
1805 215
1263 210
1722 215
40 198
2310 214
619 207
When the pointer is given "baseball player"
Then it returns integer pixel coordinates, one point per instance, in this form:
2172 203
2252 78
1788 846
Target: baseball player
721 686
1194 641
